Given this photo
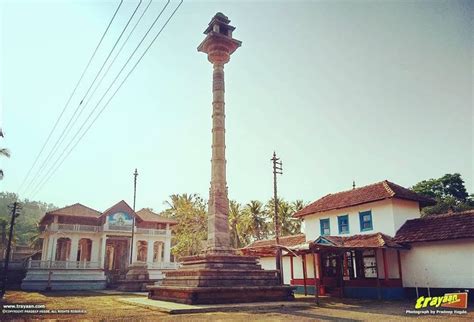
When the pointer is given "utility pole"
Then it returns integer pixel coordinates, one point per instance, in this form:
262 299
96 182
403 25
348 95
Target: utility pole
15 211
277 169
135 175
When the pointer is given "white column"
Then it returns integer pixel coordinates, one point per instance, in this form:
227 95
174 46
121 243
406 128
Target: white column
52 251
167 258
103 247
149 253
95 250
44 249
74 245
160 251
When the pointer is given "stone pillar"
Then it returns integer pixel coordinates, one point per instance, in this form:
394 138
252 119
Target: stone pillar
218 45
167 257
135 251
218 228
74 247
149 252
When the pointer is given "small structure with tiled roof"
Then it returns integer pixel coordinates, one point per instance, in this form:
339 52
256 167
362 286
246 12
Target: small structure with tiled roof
88 249
441 255
347 246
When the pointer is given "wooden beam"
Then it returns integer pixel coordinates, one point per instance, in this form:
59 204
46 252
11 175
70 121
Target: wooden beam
385 266
379 294
291 268
303 258
316 280
399 264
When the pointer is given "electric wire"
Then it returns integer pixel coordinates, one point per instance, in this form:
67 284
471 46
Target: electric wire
80 107
50 174
69 99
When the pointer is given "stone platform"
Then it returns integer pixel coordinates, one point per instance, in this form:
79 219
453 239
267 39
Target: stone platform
178 308
221 278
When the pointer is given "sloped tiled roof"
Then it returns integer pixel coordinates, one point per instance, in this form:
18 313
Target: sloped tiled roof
437 227
285 241
148 215
266 247
374 192
75 210
376 240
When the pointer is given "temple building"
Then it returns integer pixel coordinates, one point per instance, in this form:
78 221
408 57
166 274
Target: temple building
87 249
371 242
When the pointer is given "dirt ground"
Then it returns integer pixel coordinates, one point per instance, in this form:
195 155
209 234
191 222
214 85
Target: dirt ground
106 307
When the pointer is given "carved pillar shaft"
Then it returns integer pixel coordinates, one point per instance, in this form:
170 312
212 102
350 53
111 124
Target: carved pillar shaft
218 230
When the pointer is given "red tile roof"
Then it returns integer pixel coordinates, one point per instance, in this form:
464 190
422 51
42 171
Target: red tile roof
374 192
75 210
437 227
79 210
149 216
376 240
267 247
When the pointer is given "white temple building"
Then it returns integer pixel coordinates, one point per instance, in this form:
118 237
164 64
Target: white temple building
87 249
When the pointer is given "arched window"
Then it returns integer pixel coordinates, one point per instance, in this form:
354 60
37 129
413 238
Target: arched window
84 250
158 252
63 249
142 248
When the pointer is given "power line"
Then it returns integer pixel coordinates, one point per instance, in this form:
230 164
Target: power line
115 92
80 107
70 97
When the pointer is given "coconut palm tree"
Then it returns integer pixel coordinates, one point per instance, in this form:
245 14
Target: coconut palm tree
256 215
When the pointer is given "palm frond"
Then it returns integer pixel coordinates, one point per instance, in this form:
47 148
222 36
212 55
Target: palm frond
5 152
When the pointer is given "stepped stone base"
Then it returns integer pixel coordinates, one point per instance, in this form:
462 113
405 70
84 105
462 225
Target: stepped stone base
220 278
136 279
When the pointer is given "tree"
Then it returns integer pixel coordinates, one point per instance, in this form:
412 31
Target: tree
191 231
449 192
288 224
258 225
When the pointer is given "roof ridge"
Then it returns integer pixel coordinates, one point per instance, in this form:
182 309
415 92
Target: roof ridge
74 204
386 185
355 189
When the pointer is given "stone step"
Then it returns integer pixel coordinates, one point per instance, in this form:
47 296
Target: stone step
215 295
221 282
213 265
223 272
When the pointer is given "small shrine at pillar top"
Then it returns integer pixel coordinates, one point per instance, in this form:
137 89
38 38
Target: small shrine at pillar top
219 44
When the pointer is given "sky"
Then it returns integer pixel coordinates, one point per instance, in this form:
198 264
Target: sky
341 90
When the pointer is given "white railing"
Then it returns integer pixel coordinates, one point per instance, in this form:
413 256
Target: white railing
117 228
149 231
163 265
73 227
38 264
